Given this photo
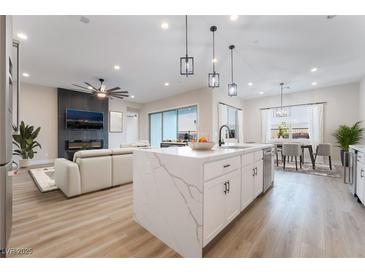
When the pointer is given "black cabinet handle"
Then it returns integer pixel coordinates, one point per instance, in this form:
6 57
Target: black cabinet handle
225 166
225 188
361 174
253 172
229 186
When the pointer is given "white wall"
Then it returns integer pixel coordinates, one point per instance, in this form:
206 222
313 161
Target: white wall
342 107
201 97
38 107
118 138
362 105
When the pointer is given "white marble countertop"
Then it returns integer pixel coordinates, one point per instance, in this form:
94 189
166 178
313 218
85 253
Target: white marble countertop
358 147
216 152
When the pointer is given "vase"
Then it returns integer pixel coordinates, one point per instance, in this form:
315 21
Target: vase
23 163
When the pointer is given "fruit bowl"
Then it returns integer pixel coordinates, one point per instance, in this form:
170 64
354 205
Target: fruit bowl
201 146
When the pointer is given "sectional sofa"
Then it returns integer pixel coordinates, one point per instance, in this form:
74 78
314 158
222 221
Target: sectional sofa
93 170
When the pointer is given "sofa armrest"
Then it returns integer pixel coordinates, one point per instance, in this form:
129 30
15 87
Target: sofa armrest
67 177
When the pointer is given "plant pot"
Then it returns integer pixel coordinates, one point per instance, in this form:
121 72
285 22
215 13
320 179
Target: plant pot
343 158
23 163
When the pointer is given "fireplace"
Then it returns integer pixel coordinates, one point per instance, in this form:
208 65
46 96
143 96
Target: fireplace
72 146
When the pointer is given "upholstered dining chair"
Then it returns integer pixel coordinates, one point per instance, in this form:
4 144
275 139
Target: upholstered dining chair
293 150
324 150
277 150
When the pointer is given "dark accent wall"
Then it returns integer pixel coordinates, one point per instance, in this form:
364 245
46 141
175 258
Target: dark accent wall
81 101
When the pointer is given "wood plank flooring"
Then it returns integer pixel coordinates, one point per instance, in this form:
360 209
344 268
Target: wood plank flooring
301 216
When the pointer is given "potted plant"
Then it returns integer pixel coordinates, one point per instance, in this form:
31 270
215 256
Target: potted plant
347 136
25 143
283 131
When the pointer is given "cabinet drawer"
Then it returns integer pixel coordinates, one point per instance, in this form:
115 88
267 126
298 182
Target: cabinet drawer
247 159
218 168
361 157
259 155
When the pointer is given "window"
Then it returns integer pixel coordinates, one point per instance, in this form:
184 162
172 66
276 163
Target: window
230 116
294 126
173 125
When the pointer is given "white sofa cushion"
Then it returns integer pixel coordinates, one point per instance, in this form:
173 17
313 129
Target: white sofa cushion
67 177
95 172
91 153
122 170
121 151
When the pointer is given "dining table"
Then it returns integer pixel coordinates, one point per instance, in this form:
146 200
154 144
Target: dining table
303 147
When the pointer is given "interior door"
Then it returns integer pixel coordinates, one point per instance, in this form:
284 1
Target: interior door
214 212
247 188
155 129
233 197
259 178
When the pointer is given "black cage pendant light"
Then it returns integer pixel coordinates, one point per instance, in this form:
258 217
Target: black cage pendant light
232 87
186 62
213 78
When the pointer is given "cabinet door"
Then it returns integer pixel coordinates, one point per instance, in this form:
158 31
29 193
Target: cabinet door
360 181
214 208
259 178
247 188
233 197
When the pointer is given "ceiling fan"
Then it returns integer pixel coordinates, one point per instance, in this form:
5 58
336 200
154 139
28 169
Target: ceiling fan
102 92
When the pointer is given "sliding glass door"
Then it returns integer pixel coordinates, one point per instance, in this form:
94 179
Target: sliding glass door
173 125
155 129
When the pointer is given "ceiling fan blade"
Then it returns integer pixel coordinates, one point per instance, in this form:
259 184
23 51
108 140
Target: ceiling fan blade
120 91
121 95
80 86
112 89
94 88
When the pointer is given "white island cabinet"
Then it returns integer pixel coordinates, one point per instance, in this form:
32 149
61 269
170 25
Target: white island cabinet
185 197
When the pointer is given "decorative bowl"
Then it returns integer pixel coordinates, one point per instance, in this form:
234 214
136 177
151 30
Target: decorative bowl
201 146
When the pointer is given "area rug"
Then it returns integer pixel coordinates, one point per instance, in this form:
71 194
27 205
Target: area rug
321 170
44 178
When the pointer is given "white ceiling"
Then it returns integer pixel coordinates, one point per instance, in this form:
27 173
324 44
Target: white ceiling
61 50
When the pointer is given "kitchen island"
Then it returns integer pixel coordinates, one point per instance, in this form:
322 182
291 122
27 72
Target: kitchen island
186 197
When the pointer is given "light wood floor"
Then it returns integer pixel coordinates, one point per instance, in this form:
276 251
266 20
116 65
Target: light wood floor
302 216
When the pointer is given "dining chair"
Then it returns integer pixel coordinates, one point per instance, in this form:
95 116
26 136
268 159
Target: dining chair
277 150
292 150
324 150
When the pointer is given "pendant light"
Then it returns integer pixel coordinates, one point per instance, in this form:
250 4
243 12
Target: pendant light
232 87
281 112
186 62
213 78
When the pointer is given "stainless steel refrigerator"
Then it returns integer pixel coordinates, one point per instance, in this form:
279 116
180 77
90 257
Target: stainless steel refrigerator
6 122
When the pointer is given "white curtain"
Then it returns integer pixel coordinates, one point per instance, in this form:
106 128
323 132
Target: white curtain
315 124
240 125
266 115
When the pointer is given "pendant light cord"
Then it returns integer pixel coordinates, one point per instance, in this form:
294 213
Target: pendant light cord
213 54
232 65
186 36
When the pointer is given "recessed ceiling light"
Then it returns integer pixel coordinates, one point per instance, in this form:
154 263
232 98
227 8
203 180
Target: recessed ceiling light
22 36
233 17
314 83
215 60
250 84
25 74
261 92
164 25
167 84
116 67
132 96
314 69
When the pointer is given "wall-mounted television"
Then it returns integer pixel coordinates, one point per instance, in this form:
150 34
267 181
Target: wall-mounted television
80 119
